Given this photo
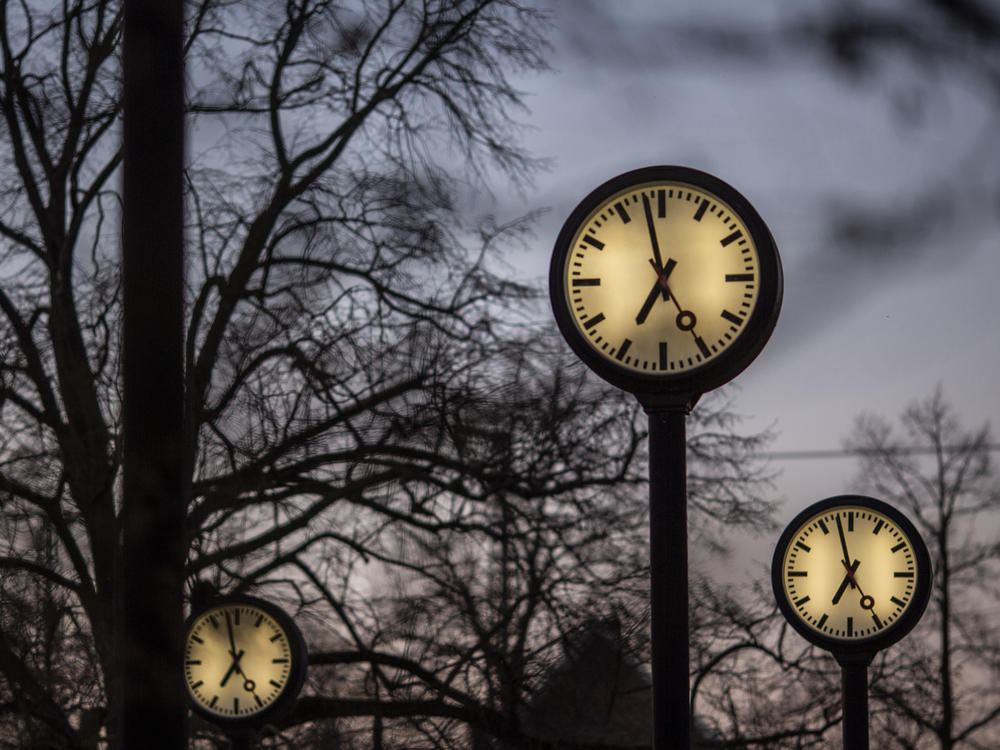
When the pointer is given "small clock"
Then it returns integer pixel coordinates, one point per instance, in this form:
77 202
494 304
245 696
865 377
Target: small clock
665 279
244 661
851 574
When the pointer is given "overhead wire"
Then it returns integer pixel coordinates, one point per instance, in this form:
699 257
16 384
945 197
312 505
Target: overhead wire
905 450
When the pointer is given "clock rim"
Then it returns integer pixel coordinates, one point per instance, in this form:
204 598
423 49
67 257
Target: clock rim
746 345
891 633
296 675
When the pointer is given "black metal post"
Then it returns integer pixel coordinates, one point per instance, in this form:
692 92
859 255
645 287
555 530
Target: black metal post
854 697
669 578
150 696
241 741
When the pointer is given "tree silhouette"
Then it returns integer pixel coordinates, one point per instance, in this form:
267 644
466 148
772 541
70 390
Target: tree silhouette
378 435
757 684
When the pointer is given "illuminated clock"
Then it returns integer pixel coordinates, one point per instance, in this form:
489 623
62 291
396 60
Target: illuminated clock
665 278
244 661
851 573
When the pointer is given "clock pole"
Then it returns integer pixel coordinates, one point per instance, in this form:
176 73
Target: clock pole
240 740
668 575
706 245
896 574
854 698
148 706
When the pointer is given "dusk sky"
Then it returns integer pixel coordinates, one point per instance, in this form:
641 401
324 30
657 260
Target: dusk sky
865 326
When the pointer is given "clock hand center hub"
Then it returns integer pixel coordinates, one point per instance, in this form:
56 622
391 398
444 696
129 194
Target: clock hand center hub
663 273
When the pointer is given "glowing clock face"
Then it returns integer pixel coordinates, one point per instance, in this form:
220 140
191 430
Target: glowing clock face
662 277
665 280
238 660
852 573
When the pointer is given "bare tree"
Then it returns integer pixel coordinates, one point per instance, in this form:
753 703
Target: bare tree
755 683
946 687
377 434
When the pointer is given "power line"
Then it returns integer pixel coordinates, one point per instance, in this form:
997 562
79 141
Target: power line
896 450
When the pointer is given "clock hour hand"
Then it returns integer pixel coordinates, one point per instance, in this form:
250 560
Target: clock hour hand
233 668
848 581
660 287
648 305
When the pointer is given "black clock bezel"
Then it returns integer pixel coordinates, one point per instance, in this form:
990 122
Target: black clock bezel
862 647
752 336
297 671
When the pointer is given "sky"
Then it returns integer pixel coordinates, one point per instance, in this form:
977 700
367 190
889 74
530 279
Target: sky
867 324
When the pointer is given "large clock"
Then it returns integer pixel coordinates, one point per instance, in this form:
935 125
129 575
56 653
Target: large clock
244 661
851 574
665 279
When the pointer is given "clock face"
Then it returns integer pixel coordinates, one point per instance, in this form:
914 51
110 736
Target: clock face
851 571
659 277
240 659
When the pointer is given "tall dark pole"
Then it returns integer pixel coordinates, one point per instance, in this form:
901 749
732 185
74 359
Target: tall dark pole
151 695
669 577
854 697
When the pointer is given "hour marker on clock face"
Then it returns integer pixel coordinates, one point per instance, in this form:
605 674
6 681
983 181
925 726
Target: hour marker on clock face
731 238
701 209
623 349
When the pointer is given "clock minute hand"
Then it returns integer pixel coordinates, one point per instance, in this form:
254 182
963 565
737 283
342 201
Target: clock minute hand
652 237
232 639
843 541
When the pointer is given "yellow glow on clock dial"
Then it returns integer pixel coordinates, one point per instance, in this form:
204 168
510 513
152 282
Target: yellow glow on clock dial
849 604
237 660
662 277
